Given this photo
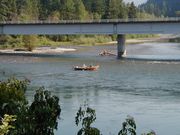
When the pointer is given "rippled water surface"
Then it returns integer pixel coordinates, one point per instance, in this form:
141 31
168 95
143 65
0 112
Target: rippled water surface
146 86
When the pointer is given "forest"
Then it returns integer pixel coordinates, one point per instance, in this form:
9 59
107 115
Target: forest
167 8
24 10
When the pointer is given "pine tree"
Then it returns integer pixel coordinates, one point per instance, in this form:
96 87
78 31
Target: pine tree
68 9
98 6
3 10
81 13
43 9
115 9
30 11
7 10
132 11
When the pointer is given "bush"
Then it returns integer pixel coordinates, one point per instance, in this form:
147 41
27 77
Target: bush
30 41
5 127
86 116
128 127
40 118
44 112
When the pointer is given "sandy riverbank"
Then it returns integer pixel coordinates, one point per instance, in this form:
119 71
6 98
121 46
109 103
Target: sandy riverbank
40 50
60 50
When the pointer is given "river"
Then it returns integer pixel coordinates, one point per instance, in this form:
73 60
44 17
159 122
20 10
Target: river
145 85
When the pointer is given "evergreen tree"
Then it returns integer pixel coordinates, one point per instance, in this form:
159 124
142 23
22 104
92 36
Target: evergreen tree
29 41
81 13
123 10
20 5
43 9
98 6
68 9
132 11
88 5
115 9
7 10
3 10
30 11
112 11
54 16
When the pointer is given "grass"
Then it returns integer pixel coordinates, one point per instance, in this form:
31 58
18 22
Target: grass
138 36
91 40
16 42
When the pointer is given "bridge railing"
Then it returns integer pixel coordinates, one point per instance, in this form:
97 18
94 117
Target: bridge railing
93 21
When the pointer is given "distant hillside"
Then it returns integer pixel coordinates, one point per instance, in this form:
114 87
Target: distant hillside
162 7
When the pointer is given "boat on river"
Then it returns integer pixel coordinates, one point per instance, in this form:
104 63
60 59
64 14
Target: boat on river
86 68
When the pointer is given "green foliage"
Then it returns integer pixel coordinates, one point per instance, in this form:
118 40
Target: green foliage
3 10
40 118
7 10
128 127
7 41
54 16
68 9
30 11
81 13
132 11
30 41
115 9
91 40
12 99
6 126
4 39
86 116
144 15
44 112
136 36
12 96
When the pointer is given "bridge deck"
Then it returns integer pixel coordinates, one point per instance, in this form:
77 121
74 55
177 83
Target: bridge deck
114 26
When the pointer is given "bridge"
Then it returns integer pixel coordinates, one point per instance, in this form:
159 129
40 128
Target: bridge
109 27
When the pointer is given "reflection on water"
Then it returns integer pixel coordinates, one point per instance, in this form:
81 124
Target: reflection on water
147 90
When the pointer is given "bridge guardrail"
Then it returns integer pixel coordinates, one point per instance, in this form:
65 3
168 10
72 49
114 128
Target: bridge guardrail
92 21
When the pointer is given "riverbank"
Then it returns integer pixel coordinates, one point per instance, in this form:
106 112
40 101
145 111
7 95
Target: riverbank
55 50
158 38
38 51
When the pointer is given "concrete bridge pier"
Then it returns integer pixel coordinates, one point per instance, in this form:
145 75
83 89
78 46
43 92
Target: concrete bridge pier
121 41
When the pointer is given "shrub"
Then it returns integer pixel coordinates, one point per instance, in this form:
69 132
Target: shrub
86 116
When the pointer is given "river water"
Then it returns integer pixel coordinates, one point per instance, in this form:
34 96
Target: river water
145 85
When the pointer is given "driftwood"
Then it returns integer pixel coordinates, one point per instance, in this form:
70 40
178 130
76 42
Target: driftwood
106 53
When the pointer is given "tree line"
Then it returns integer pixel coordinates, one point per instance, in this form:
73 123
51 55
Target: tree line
28 10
